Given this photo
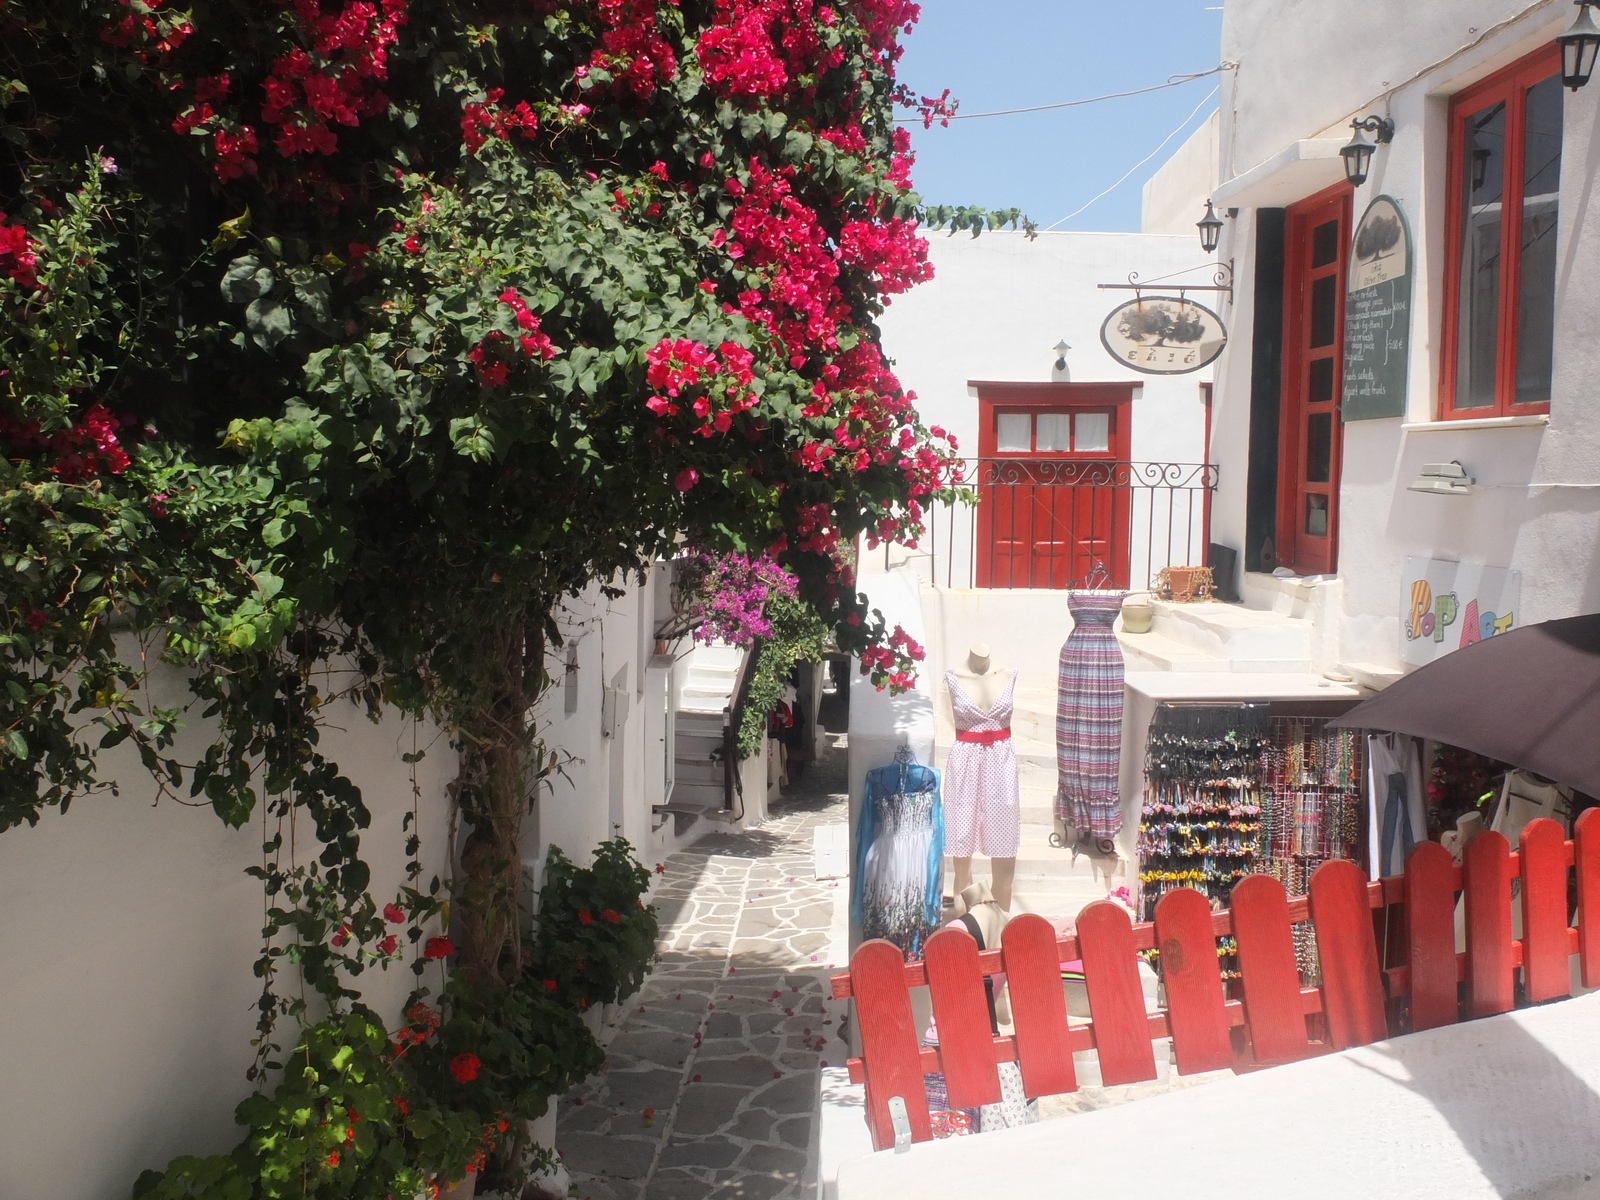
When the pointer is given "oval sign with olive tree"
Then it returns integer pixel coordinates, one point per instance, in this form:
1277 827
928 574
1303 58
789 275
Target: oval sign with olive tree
1163 335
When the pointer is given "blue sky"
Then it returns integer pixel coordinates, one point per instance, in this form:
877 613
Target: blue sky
995 54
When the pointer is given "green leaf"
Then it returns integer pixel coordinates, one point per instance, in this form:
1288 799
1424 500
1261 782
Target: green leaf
17 744
268 321
246 280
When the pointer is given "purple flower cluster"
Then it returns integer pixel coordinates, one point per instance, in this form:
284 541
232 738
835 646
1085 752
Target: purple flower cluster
733 593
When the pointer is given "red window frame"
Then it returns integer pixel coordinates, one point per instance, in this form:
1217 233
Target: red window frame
1510 84
1034 398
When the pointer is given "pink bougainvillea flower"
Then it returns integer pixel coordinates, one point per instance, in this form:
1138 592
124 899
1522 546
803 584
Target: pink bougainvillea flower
389 945
686 479
393 914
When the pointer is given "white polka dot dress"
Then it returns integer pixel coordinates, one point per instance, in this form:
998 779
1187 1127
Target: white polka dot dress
982 805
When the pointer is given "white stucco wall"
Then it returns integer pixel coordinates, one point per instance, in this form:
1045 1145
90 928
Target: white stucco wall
1536 507
994 310
1175 196
127 1000
1305 66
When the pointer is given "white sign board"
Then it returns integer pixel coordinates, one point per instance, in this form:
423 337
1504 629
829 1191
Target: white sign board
1447 605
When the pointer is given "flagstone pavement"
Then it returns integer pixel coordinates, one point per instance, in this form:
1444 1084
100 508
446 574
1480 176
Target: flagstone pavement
711 1085
711 1078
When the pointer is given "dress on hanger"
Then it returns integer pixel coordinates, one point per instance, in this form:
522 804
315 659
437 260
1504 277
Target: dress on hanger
1089 718
899 877
981 790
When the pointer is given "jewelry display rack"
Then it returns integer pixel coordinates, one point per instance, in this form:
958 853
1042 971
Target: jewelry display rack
1311 810
1200 824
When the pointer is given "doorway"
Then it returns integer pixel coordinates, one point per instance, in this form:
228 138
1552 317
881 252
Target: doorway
1310 436
1053 497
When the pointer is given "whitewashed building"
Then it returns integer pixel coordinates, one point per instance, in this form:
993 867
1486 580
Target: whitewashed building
1396 401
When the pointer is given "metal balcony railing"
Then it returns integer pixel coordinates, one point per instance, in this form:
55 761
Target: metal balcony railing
1050 522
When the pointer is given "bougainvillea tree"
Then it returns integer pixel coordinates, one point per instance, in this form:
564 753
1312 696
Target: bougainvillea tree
366 330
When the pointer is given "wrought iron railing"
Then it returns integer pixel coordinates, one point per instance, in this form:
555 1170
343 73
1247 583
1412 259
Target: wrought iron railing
1055 523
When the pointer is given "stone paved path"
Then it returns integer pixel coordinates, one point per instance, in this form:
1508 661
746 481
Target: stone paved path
711 1077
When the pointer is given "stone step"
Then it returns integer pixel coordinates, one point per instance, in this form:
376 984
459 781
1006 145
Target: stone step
1233 632
697 770
1153 652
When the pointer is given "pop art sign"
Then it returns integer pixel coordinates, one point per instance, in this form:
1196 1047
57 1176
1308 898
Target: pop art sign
1447 605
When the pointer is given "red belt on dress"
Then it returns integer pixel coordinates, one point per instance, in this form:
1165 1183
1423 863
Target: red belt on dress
984 737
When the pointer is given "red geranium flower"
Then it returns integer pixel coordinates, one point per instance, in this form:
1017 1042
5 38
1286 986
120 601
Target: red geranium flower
438 947
583 916
549 985
464 1067
610 915
393 914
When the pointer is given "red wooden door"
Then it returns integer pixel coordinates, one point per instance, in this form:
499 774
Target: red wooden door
1310 437
1052 500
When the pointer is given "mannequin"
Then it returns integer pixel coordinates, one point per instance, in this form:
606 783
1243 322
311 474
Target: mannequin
985 911
982 803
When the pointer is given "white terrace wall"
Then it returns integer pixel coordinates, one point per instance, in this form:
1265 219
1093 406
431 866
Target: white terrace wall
1304 71
127 1001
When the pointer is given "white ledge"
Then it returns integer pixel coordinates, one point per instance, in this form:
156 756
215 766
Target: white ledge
1300 169
1535 421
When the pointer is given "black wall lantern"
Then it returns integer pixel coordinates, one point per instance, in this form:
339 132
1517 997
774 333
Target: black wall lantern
1358 154
1579 44
1210 227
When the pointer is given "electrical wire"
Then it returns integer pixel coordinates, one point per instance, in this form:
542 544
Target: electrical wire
1141 162
1172 81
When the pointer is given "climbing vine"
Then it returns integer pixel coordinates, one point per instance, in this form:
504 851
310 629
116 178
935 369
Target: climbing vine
341 339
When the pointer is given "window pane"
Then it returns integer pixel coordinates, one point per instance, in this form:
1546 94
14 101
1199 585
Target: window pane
1482 184
1319 447
1013 433
1325 244
1324 308
1054 432
1094 432
1536 290
1316 515
1321 380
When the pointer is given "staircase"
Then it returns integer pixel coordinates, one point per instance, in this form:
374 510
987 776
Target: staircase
697 790
1218 638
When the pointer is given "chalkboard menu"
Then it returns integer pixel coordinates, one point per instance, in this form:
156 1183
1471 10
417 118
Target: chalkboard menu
1377 315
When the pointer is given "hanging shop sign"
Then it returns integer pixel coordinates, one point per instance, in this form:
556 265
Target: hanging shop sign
1163 335
1377 315
1447 605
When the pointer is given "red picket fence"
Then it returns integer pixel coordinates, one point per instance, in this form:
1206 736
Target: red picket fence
1359 1001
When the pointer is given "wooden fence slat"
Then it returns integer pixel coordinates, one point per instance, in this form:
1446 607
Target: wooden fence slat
966 1038
1486 886
888 1041
1193 978
1586 856
1431 936
1352 982
1273 1010
1116 1001
1546 971
1038 1006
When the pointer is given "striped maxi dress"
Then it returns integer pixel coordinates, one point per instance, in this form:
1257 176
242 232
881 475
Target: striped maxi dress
1089 717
